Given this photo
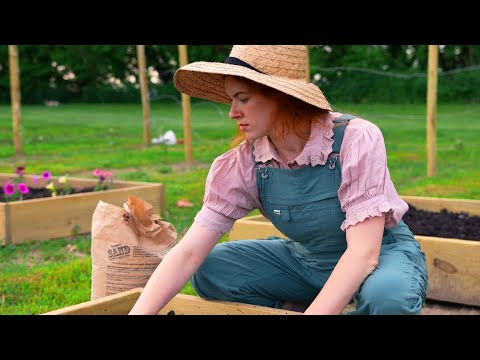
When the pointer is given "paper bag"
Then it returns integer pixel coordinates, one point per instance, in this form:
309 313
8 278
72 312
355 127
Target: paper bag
127 245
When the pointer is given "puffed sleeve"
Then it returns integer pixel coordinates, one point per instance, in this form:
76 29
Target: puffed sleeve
367 189
228 194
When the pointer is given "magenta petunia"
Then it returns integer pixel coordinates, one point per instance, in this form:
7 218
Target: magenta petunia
107 174
19 171
9 188
97 172
46 175
23 188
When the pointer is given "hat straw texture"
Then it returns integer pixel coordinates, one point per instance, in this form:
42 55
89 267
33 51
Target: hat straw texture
282 67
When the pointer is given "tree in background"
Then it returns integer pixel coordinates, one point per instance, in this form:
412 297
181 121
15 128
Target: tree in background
350 73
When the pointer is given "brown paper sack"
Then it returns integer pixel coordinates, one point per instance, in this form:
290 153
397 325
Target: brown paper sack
127 245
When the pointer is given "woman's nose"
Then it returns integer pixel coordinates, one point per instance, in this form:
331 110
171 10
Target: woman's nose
234 113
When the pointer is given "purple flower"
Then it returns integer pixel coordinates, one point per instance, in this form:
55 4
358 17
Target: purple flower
101 178
9 189
46 175
23 188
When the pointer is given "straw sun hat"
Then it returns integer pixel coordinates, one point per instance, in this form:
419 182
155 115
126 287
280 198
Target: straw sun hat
282 67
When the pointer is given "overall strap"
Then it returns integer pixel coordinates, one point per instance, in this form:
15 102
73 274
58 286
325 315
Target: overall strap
339 131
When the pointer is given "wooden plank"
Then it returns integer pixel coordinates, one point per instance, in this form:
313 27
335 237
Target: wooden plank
117 304
3 224
453 269
181 304
253 227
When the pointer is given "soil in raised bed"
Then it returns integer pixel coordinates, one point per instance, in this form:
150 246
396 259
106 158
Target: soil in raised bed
443 224
35 193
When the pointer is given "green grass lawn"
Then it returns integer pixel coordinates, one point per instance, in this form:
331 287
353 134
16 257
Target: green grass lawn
76 139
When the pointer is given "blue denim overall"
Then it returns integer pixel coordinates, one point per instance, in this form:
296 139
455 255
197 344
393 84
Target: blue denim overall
303 204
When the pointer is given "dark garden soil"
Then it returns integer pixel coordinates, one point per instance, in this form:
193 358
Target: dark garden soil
443 224
45 193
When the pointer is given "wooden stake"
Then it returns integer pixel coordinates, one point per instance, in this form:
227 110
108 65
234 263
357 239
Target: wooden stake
15 98
187 127
142 70
432 109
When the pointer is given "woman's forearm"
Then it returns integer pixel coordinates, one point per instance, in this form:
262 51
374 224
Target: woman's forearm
175 270
359 260
349 273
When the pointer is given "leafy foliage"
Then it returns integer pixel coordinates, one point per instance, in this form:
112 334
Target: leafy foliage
109 73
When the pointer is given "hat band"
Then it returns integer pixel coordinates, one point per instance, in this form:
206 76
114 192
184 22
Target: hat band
236 61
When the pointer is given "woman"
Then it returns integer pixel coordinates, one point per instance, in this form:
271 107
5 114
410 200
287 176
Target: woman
320 176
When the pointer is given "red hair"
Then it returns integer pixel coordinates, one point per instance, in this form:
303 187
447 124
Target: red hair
293 114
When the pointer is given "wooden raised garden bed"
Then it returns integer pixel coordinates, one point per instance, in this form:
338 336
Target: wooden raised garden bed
181 304
453 264
61 216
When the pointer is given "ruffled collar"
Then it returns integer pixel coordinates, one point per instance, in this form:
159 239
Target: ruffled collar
316 150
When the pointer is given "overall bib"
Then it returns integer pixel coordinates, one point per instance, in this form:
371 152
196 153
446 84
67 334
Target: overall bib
303 204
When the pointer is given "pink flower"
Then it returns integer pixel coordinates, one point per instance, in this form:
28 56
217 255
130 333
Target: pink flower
35 179
46 175
97 172
19 171
107 174
9 188
23 188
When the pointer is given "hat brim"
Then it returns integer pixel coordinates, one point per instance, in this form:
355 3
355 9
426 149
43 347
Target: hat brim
205 80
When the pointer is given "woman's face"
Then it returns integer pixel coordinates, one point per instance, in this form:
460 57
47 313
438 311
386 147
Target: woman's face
252 110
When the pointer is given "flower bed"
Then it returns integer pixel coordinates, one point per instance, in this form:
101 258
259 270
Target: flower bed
453 265
65 215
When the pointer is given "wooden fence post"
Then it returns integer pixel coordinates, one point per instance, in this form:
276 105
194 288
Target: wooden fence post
142 70
187 127
15 98
432 109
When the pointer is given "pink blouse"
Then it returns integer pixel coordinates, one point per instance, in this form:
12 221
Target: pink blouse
366 190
